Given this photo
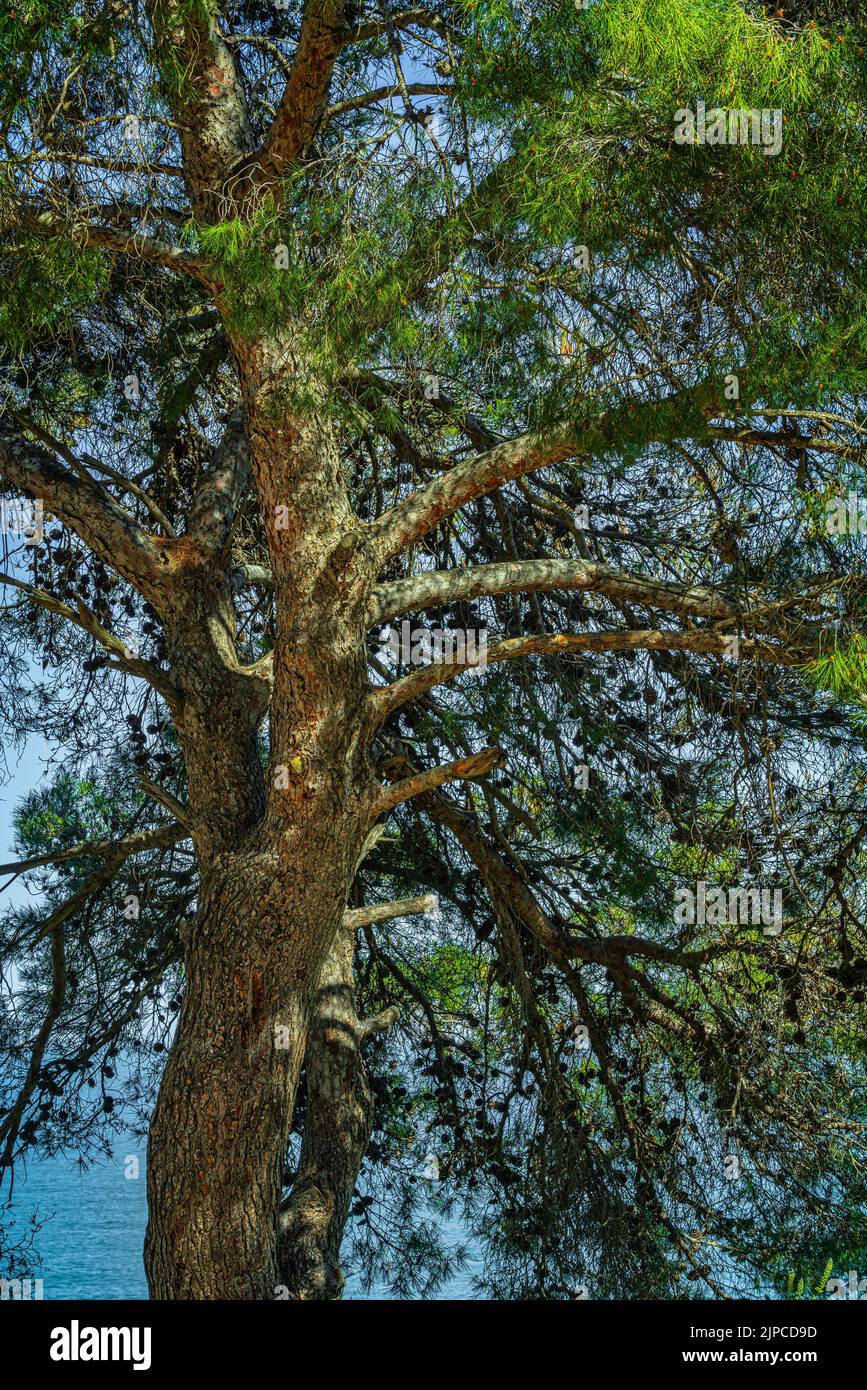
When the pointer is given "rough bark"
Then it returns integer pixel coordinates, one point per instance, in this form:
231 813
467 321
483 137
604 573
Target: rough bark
277 854
336 1134
220 1130
218 1134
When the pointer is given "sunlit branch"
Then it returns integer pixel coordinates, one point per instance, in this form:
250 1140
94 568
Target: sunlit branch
683 413
157 837
436 587
355 917
700 640
462 769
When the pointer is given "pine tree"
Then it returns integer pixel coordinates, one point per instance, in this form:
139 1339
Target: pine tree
320 326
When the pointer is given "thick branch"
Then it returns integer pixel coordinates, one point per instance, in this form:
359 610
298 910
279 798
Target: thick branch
84 505
207 95
243 576
435 587
336 1134
356 917
216 503
77 466
703 640
303 102
684 413
788 439
378 1023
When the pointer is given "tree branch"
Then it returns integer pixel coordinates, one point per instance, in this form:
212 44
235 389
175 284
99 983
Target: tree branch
208 102
356 917
406 19
216 502
701 640
789 440
377 1023
505 885
181 813
683 413
463 769
78 466
413 89
160 836
302 105
84 505
243 576
437 243
86 619
437 587
53 155
11 1125
81 233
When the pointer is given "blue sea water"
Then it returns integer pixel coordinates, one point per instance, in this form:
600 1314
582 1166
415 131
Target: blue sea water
91 1247
91 1243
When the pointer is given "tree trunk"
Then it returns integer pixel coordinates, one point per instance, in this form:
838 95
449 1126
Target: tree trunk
276 864
336 1134
219 1133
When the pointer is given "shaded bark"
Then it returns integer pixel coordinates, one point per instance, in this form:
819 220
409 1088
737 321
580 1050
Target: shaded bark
336 1135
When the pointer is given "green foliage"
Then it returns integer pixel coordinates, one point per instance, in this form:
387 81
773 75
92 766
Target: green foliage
841 668
47 286
69 811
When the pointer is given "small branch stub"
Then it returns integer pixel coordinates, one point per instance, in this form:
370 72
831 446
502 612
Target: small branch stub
462 770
